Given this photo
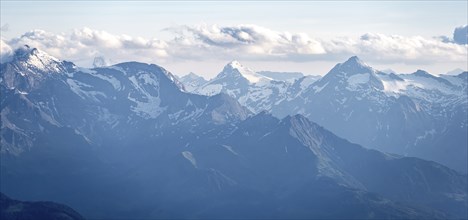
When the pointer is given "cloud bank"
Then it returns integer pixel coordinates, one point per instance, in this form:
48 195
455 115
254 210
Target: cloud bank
83 45
249 42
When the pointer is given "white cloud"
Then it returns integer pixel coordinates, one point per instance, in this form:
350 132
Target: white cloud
245 42
5 51
82 45
388 48
254 42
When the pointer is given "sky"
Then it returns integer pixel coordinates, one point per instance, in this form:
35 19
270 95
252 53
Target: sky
202 36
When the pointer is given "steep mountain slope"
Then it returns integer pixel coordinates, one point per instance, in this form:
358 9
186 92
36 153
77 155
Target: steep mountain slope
404 114
265 168
295 138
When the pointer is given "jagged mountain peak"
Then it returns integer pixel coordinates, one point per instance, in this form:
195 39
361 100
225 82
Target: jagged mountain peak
355 60
30 66
235 64
298 121
235 69
354 65
425 74
34 58
351 74
24 51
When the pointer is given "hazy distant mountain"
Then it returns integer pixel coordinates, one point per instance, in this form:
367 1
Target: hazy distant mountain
389 71
192 81
127 141
282 76
456 71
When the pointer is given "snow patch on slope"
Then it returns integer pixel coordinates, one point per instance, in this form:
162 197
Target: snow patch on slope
113 81
307 81
317 89
211 89
394 87
247 73
189 156
355 80
149 105
43 61
77 88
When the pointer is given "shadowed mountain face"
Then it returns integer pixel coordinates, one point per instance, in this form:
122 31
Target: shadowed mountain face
13 209
127 142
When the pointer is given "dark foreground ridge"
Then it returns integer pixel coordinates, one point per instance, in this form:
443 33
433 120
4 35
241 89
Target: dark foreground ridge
14 209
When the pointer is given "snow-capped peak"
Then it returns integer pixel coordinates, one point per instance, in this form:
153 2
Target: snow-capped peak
353 66
34 58
235 64
234 68
354 62
353 75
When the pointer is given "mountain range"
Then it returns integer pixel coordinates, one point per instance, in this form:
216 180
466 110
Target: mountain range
130 141
414 114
